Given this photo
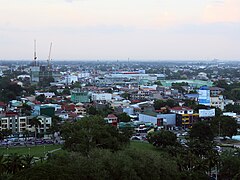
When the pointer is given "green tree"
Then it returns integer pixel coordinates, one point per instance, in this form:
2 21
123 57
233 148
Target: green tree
2 164
123 117
41 98
158 104
158 83
224 126
230 166
162 138
14 163
26 109
36 124
28 161
233 108
126 95
201 131
92 132
92 110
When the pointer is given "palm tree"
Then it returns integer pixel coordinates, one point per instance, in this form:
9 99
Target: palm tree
14 163
36 123
28 161
2 164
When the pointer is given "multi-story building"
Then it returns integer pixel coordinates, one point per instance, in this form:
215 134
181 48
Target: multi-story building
101 96
17 124
46 123
184 116
78 96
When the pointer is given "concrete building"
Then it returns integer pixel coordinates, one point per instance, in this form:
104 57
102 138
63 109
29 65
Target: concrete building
162 120
17 124
101 96
184 116
204 96
78 96
46 123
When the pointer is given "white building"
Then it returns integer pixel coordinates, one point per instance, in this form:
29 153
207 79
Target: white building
17 124
46 123
181 110
101 96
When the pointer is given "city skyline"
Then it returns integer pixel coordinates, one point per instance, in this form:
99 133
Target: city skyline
111 29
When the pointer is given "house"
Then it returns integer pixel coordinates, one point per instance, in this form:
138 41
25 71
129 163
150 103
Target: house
111 119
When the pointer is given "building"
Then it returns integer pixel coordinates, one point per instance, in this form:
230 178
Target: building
78 96
184 116
204 96
166 121
35 74
101 96
17 124
111 119
215 91
46 123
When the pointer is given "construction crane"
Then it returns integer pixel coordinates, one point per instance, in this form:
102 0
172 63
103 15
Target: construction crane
35 53
49 55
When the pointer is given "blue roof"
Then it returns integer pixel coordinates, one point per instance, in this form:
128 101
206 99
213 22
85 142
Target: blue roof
204 88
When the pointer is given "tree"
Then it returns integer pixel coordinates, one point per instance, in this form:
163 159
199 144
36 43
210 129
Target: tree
224 126
126 95
123 117
92 132
233 108
103 164
2 164
201 131
56 124
26 109
41 98
230 166
92 110
158 104
162 138
28 161
158 83
36 123
14 163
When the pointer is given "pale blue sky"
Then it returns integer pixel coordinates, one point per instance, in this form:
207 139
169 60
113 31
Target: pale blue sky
118 29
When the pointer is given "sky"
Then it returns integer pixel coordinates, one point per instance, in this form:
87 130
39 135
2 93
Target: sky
120 29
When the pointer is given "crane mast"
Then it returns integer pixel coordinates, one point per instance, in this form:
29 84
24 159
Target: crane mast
49 55
35 53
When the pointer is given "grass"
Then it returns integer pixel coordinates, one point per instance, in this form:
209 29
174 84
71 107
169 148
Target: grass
143 146
36 151
39 151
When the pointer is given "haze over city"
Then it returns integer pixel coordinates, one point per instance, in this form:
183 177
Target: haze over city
111 29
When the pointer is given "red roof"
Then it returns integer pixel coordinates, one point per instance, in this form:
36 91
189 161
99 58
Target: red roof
111 116
2 104
179 108
68 107
11 114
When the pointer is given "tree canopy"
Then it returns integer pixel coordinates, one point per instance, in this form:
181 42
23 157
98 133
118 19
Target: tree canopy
92 132
162 138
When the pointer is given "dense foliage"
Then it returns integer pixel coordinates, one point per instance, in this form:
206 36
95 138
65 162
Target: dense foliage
92 132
